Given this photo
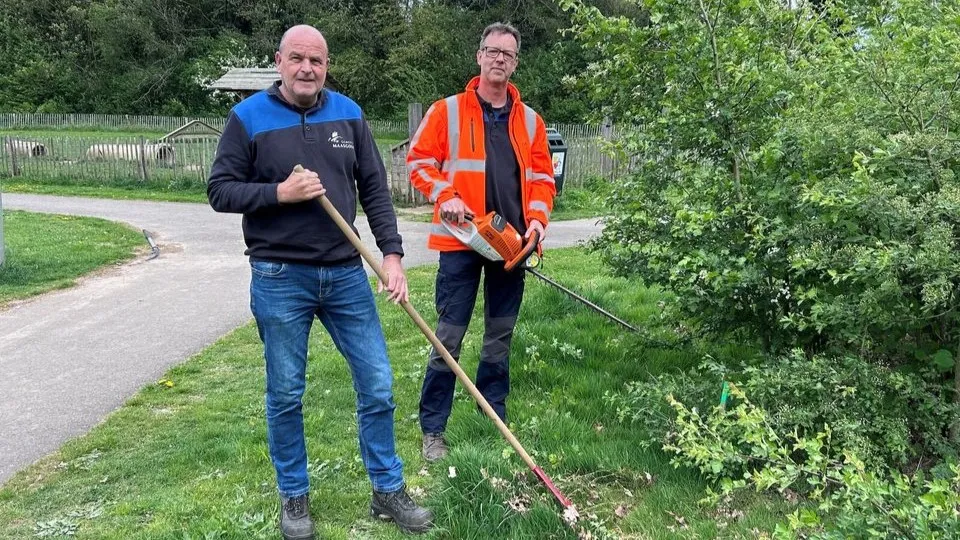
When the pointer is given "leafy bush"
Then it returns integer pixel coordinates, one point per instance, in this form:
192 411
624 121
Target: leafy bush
887 417
797 169
796 183
739 447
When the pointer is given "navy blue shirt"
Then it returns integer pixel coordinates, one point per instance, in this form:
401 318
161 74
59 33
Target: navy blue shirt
264 138
502 169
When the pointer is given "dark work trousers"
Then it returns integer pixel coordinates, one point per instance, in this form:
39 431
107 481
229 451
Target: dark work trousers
458 281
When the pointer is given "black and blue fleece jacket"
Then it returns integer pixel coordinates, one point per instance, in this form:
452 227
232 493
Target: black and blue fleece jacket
264 138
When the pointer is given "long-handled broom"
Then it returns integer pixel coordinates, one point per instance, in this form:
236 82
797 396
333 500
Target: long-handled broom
461 375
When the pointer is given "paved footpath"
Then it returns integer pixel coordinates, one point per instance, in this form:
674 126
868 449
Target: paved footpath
69 358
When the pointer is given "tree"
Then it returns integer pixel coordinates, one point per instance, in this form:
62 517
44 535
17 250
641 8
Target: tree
797 168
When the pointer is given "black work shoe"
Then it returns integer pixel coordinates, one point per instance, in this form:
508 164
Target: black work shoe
295 522
434 447
398 506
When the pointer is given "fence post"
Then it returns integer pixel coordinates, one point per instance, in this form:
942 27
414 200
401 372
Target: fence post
14 167
143 159
607 162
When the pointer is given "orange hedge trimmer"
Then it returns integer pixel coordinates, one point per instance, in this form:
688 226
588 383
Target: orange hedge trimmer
494 238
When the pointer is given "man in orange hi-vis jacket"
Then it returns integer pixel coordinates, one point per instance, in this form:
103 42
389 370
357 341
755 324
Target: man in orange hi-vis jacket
475 152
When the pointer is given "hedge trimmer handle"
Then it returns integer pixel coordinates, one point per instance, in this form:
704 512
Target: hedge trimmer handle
532 243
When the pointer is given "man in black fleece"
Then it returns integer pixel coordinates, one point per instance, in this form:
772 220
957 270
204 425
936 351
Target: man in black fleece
304 267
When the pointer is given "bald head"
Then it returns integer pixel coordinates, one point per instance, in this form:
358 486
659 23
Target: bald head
302 33
302 64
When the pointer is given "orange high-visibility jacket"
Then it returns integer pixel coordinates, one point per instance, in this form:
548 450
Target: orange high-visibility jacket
447 159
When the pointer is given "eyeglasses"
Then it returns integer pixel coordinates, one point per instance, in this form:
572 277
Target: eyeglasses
493 52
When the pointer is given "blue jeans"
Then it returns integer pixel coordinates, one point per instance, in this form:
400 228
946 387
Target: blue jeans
458 282
284 299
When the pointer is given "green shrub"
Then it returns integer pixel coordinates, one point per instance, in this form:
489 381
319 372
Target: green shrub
797 170
739 448
889 418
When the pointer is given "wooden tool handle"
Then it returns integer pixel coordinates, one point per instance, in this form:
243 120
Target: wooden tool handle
427 331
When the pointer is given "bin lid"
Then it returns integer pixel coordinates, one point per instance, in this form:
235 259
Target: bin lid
555 140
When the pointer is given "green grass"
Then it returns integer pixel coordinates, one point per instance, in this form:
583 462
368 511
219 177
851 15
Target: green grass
188 458
46 251
132 190
581 202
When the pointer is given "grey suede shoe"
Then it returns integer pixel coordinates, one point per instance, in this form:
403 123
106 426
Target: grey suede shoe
399 507
434 447
295 522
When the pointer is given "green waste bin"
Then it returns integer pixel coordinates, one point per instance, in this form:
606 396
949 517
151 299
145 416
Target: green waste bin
558 152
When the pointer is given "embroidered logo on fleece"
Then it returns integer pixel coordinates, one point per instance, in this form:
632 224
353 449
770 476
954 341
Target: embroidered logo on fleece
339 142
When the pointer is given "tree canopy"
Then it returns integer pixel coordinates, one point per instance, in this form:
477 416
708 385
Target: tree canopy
156 56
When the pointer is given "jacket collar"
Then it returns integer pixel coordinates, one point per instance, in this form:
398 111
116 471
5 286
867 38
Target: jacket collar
274 91
475 83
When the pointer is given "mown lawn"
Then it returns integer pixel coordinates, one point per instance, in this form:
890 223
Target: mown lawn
47 251
187 458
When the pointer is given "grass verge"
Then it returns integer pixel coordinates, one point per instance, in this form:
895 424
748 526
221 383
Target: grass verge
187 457
194 192
47 251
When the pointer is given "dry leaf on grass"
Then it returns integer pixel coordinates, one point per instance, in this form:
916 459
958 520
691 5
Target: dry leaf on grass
519 504
621 510
570 514
681 521
731 514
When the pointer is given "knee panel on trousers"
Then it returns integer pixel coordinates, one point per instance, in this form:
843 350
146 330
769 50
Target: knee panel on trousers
451 336
497 335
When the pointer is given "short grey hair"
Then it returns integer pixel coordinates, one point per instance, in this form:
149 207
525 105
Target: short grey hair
500 28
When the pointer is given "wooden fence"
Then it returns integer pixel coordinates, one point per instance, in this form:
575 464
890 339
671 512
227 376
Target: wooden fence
118 159
70 159
157 124
41 146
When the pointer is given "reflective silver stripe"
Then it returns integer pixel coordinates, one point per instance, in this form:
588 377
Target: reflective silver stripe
423 124
471 165
453 127
417 164
540 177
530 117
541 206
437 188
424 176
440 230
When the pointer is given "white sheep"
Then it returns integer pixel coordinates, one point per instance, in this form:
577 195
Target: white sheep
28 148
160 152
